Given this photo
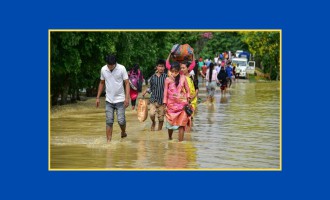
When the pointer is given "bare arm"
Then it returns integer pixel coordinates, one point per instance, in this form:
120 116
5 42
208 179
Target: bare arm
196 93
149 88
127 87
99 92
207 75
193 63
165 91
168 65
145 91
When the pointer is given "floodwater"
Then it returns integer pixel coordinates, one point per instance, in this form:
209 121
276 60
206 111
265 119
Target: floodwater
239 131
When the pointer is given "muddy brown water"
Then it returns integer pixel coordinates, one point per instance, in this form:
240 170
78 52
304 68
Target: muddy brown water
240 130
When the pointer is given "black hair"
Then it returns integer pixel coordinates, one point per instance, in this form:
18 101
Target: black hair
111 59
135 68
211 66
176 66
161 62
186 62
196 71
195 77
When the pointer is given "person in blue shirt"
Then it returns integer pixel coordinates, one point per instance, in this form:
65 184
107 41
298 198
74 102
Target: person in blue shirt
229 71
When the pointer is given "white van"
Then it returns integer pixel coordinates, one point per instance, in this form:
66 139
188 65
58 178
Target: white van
251 68
243 66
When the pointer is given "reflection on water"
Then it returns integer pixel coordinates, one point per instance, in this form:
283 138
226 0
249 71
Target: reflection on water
240 130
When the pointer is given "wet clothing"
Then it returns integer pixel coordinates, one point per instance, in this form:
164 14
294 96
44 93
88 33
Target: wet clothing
110 109
175 98
222 77
157 108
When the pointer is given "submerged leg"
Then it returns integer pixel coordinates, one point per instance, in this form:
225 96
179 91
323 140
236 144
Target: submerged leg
160 125
170 133
109 133
181 133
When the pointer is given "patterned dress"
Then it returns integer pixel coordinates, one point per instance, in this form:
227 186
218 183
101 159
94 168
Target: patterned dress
175 97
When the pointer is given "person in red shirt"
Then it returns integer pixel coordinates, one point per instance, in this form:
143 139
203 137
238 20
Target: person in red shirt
203 72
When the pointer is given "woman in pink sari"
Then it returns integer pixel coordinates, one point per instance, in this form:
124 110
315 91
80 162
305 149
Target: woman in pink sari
176 96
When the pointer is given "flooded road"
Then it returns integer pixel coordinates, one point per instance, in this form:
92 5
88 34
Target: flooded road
240 130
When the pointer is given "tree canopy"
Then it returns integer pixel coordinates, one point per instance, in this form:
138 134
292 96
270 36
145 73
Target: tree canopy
77 56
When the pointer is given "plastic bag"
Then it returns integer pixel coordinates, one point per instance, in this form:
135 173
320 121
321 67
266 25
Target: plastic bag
142 110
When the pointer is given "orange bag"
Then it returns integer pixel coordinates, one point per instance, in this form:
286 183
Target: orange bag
142 110
182 52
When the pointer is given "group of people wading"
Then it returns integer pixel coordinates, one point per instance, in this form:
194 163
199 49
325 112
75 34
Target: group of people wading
172 94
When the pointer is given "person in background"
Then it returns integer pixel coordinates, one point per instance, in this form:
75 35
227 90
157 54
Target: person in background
217 67
208 61
229 71
216 58
203 72
194 76
135 80
200 65
190 81
222 78
211 78
117 97
234 72
237 71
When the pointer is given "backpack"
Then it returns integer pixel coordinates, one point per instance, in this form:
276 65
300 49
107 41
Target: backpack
135 81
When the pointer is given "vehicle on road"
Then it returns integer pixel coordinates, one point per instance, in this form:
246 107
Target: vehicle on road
243 66
238 52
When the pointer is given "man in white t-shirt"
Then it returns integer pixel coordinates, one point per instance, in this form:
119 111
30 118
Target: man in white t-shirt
112 76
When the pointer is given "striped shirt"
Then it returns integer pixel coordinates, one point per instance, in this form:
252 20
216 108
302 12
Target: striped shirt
157 88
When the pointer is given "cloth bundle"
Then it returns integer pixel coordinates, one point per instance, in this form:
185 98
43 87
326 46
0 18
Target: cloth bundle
182 52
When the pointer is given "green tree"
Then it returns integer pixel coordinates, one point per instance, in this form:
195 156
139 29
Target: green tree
76 58
265 45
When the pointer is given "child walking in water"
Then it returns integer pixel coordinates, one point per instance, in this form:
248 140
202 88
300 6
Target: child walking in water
176 96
